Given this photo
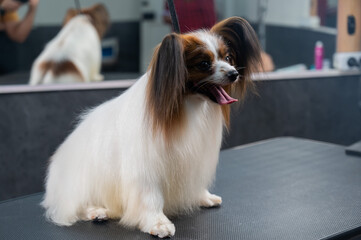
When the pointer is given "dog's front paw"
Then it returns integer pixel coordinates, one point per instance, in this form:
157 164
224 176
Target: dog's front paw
163 229
210 200
157 225
96 214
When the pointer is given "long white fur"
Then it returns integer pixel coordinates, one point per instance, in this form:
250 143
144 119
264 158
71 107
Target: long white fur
78 42
112 162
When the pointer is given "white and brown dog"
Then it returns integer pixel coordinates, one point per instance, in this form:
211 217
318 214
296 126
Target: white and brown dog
152 152
74 55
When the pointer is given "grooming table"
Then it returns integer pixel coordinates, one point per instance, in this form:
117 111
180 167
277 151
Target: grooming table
283 188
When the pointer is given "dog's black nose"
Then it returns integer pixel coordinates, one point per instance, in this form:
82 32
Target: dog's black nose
232 75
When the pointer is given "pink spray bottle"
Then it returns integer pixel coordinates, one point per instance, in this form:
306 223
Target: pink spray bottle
318 55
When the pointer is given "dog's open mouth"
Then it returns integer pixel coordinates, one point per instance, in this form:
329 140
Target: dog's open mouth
217 94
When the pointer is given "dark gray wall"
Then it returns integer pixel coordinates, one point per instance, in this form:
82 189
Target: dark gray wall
324 109
293 45
32 125
289 46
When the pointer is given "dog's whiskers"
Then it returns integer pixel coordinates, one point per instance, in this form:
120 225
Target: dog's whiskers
240 68
201 85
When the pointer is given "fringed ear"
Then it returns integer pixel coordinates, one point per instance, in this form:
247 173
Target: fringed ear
100 18
245 50
72 12
166 85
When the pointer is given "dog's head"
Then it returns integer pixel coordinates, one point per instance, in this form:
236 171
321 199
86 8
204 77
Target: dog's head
215 64
97 14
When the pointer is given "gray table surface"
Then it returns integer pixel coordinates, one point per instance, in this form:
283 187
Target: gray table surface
283 188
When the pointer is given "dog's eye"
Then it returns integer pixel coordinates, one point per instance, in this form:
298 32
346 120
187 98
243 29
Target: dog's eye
228 59
204 66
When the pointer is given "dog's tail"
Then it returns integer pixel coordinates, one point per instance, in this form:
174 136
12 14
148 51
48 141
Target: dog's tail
53 72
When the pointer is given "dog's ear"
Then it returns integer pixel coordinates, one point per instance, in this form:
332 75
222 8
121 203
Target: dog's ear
166 85
100 18
245 50
72 12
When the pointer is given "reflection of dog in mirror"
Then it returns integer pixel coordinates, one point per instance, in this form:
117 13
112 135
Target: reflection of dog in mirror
152 152
74 55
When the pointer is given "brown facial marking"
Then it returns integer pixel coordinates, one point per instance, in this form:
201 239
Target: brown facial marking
196 52
222 50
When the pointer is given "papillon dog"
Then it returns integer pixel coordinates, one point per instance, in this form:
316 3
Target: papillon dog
74 55
152 152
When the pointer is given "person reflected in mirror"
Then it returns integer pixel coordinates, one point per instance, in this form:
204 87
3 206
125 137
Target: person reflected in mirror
16 29
13 31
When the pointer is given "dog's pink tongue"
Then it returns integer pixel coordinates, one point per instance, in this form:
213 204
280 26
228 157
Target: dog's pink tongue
221 96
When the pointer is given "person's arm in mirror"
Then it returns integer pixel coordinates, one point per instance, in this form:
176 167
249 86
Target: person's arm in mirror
18 30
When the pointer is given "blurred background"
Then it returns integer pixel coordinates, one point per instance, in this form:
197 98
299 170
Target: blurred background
288 31
312 88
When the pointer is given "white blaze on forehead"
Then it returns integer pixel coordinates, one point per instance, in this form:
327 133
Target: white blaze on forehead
222 65
210 40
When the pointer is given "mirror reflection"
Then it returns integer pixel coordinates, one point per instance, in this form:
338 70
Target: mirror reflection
48 42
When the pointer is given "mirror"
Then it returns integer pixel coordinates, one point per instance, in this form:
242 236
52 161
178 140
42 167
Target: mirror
288 31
